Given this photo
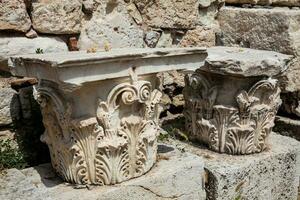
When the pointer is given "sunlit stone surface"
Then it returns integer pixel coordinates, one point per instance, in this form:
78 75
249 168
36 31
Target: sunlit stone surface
101 110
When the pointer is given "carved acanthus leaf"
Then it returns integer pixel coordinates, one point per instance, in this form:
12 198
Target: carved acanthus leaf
116 145
241 130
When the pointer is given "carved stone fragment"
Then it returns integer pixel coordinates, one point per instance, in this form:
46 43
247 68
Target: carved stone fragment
118 144
231 114
101 109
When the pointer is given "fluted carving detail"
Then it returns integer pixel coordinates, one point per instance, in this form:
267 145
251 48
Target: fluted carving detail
118 144
226 129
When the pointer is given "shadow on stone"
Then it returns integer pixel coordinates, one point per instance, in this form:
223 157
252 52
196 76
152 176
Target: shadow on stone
47 175
164 149
28 127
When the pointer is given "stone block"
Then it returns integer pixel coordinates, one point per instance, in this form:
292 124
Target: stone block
200 36
270 175
165 40
13 16
57 17
266 29
266 2
245 62
169 13
175 176
9 106
151 38
10 46
111 27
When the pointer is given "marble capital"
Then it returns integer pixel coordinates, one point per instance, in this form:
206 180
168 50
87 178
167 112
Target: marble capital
101 110
230 102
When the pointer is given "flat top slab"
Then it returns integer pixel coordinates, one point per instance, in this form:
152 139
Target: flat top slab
77 57
245 62
81 67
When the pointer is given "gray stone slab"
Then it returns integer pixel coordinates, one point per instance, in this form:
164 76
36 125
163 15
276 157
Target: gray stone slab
270 175
245 62
175 176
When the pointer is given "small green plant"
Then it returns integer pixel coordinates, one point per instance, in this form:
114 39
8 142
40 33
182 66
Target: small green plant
39 51
239 197
163 137
10 156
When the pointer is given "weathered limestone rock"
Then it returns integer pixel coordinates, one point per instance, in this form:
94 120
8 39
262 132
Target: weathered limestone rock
266 29
135 13
198 37
5 80
290 79
11 46
112 26
13 16
57 17
31 34
272 175
171 78
9 106
208 10
266 2
169 13
165 40
151 38
100 110
6 134
178 100
230 104
183 171
245 62
91 5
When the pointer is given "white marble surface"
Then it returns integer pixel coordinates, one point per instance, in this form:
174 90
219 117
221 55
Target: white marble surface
81 67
